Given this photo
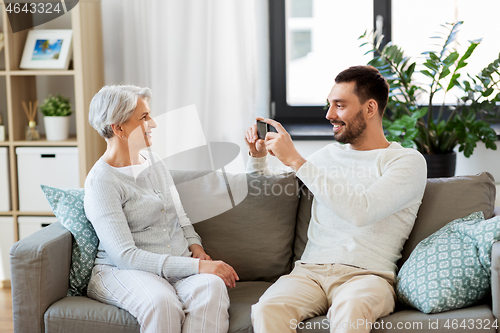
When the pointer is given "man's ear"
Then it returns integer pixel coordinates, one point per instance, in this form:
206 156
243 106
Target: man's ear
372 108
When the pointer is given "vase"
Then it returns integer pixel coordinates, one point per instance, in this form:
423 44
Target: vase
56 128
441 165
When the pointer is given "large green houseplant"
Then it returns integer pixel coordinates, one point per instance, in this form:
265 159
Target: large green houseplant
437 131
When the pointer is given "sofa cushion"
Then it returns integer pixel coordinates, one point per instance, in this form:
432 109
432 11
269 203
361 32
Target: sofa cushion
82 314
72 314
447 199
242 297
67 205
265 216
476 319
451 268
303 219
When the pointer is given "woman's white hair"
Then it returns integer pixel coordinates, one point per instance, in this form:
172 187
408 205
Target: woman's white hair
114 104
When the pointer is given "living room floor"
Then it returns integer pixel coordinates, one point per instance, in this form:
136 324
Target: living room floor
6 324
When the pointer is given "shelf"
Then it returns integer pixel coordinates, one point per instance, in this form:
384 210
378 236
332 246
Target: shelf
34 213
80 82
43 142
19 213
71 142
41 72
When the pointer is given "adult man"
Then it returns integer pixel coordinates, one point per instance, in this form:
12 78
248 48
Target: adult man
366 196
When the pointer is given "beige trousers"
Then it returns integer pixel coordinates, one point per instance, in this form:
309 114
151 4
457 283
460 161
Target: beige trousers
352 298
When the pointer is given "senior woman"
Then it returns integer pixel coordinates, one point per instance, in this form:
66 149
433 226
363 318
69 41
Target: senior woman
150 260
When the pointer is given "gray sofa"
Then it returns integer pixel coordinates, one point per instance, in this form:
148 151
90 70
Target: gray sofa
260 238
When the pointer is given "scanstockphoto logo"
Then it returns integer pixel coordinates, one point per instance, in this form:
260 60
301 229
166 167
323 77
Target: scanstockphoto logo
210 177
28 14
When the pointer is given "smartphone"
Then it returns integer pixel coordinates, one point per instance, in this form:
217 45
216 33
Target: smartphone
262 129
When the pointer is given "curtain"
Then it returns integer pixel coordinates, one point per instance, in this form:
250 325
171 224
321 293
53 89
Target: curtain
211 55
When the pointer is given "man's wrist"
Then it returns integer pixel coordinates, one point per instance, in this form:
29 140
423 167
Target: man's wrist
297 164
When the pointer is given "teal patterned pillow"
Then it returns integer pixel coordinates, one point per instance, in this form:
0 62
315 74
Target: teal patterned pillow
67 205
450 269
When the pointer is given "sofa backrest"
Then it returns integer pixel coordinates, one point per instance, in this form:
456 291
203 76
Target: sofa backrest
256 236
445 199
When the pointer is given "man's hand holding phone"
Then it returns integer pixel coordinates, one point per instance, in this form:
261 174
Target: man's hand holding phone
278 144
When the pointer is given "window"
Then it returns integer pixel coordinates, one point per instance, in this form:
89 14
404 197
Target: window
307 51
313 40
413 33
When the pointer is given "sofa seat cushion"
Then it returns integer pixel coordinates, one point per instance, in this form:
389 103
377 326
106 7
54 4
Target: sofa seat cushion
84 315
242 297
475 319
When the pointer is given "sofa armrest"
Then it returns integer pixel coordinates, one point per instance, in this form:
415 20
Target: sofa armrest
40 267
496 212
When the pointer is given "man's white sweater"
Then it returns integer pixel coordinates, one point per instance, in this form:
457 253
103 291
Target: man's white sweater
365 203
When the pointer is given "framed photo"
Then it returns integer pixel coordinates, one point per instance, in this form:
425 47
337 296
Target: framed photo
47 49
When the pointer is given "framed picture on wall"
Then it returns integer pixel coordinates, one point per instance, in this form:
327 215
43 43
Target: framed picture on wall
47 49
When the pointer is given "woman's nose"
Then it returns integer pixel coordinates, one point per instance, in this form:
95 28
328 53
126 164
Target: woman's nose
151 123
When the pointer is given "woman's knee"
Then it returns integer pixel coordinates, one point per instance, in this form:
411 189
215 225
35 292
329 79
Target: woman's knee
204 288
214 284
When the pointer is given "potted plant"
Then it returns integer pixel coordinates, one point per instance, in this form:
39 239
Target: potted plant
435 132
56 111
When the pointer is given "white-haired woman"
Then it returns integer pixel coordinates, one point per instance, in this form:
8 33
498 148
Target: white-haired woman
150 260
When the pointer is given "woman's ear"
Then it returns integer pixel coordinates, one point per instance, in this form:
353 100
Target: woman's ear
117 129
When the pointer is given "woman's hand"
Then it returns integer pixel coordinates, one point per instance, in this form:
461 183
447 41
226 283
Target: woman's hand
198 252
255 145
221 269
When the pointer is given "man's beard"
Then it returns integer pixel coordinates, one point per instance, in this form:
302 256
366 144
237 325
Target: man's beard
354 131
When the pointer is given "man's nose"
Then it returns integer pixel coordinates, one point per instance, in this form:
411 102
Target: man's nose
331 114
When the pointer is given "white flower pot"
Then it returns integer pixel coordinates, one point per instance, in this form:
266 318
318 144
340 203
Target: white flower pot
56 128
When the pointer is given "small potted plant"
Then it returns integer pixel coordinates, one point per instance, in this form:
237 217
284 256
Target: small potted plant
56 111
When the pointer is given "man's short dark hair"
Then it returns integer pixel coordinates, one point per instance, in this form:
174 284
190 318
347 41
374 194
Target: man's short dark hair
369 84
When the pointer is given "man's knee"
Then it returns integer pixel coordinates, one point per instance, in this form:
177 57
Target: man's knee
271 308
371 301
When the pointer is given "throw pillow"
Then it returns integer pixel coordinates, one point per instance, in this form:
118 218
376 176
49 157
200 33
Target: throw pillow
67 205
451 268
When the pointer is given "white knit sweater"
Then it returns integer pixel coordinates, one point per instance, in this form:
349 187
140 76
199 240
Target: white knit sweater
140 222
365 203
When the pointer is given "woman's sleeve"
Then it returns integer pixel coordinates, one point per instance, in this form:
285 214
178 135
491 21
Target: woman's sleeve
103 207
190 234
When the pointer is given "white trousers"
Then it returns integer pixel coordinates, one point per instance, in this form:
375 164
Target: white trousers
194 304
352 298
